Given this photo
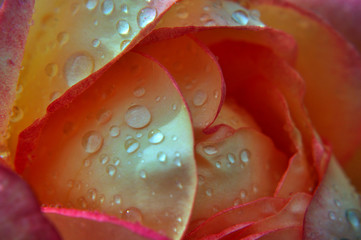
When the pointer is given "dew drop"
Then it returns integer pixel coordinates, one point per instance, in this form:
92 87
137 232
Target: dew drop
91 4
51 69
178 162
162 157
124 44
63 38
87 162
201 180
104 116
337 203
123 27
245 155
182 13
78 67
82 202
155 136
117 199
237 202
101 199
114 131
139 92
209 192
332 215
92 141
124 8
243 194
132 215
146 16
137 116
218 164
104 159
240 17
131 145
96 43
199 98
353 217
143 174
16 114
231 158
179 185
92 194
107 7
210 150
111 170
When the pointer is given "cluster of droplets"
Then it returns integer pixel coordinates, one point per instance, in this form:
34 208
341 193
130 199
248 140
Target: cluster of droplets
244 156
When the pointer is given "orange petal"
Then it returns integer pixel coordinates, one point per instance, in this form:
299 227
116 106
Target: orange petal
235 167
70 40
74 225
122 146
332 93
196 72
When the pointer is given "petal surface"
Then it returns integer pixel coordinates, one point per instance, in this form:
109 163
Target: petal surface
121 144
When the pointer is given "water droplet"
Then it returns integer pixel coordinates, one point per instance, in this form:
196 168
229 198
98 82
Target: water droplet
92 194
139 92
96 43
104 159
116 161
124 8
78 67
92 141
123 27
237 202
124 44
353 216
104 116
146 16
182 13
209 192
332 215
243 194
245 155
155 136
63 38
201 180
337 203
133 215
199 98
91 4
178 162
74 8
162 157
143 174
51 69
179 185
16 114
174 138
117 199
210 150
138 135
240 17
204 17
111 170
87 162
114 131
218 164
137 116
107 7
131 145
231 158
82 202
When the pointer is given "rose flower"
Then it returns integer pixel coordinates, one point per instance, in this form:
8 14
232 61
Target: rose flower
165 119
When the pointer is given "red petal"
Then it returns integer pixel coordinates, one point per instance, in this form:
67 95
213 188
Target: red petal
20 215
121 144
294 233
74 225
335 210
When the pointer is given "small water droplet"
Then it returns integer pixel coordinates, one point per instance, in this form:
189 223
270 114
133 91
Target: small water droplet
124 44
209 192
178 162
107 7
204 17
337 203
139 92
70 183
179 185
218 164
78 67
199 98
74 8
174 138
114 131
240 17
16 114
231 158
332 215
104 116
353 217
116 161
111 170
137 116
117 199
174 107
91 4
92 141
82 202
155 136
87 162
51 69
124 8
210 150
96 43
92 194
132 215
243 194
131 145
123 27
104 158
237 202
162 157
146 16
143 174
182 13
63 38
201 180
245 155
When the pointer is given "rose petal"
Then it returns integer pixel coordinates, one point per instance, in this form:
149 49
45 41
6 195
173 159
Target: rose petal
15 16
75 224
332 94
70 40
122 145
335 210
20 216
283 233
235 167
196 72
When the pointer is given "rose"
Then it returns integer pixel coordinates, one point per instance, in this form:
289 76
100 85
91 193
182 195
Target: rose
173 183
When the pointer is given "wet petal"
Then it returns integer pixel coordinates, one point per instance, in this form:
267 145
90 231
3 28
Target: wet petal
74 225
294 233
128 128
20 215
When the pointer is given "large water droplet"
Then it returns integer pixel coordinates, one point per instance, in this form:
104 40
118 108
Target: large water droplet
133 215
114 131
210 150
146 16
137 116
78 67
353 216
245 155
51 69
123 27
92 141
91 4
199 98
162 157
111 170
155 136
107 7
131 145
240 17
